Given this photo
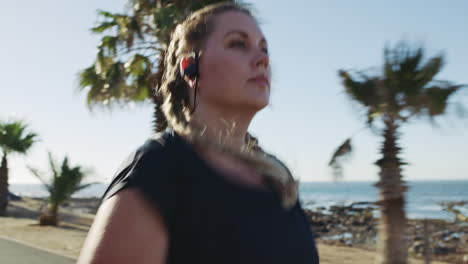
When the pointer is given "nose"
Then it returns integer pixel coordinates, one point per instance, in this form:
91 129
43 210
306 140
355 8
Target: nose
262 59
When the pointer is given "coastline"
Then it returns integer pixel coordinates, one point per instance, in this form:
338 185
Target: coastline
356 226
422 199
77 215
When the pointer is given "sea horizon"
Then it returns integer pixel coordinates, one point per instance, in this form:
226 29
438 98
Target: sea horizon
423 198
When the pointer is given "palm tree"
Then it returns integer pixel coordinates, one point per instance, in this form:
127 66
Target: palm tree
65 181
405 90
14 138
128 62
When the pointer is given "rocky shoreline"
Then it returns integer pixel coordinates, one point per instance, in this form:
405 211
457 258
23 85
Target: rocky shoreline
356 226
353 226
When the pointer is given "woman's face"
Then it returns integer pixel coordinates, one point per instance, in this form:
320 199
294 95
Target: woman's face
234 66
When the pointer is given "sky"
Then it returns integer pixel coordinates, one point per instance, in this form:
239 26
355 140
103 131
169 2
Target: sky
44 45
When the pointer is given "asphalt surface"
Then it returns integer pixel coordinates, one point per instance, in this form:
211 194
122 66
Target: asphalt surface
15 253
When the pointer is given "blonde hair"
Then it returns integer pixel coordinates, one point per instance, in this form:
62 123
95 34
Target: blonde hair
173 107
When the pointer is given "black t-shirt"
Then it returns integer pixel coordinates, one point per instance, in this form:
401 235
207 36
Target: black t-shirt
211 219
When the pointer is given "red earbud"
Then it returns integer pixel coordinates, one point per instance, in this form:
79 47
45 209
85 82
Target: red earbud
190 67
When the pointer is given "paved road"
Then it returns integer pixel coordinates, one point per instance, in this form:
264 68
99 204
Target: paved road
16 253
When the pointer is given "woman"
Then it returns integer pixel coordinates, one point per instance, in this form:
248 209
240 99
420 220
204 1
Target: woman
202 190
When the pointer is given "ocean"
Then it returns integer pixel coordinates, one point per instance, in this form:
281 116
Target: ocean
423 197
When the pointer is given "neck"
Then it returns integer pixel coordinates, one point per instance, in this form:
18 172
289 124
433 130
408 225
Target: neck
229 127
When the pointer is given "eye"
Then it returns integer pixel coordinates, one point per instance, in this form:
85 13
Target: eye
238 43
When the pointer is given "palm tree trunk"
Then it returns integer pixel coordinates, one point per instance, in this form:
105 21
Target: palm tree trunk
50 217
54 214
391 244
3 185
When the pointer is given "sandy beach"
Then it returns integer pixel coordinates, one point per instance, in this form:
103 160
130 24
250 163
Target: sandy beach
76 218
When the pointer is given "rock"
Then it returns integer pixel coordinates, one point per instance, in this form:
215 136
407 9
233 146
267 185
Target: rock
442 250
14 197
330 225
452 239
417 247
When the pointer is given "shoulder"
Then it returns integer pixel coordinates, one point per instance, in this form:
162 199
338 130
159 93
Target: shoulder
157 146
280 162
115 227
153 153
148 163
152 171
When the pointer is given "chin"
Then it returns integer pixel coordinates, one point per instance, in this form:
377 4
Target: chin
257 97
252 102
263 104
257 104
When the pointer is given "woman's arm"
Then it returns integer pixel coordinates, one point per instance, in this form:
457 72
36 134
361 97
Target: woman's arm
126 229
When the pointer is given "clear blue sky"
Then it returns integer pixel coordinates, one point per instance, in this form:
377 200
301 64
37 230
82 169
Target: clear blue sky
45 43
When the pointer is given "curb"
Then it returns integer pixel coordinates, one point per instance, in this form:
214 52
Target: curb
39 248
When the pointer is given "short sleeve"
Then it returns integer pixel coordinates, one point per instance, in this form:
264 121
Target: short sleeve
148 170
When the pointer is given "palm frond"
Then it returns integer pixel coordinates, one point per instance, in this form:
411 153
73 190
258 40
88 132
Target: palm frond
84 186
53 166
406 88
341 154
64 180
428 71
435 99
40 177
138 39
15 137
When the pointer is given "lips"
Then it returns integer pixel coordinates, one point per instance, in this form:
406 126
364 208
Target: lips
261 80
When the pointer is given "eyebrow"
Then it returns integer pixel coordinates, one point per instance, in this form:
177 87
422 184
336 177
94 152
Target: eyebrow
243 34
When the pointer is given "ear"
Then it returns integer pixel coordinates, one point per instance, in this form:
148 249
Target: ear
184 63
